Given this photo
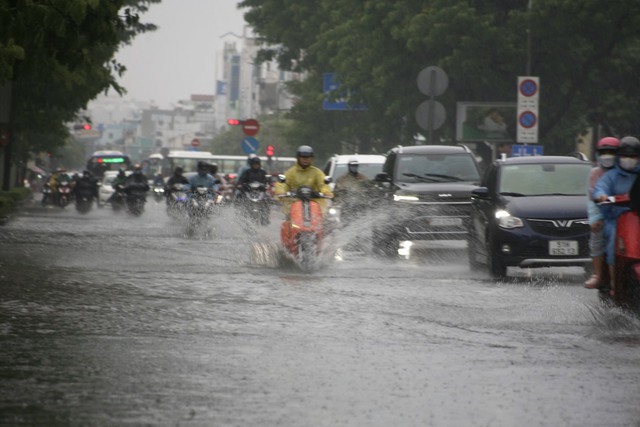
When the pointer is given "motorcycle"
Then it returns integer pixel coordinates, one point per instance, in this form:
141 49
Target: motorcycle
118 200
176 200
254 201
84 201
64 193
303 232
47 196
627 259
135 198
158 193
203 202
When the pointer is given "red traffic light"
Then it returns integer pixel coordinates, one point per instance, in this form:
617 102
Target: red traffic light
234 122
82 126
270 150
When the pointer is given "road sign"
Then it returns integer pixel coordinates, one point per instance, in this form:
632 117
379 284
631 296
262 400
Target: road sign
250 127
436 110
526 150
433 81
528 94
195 142
249 144
331 84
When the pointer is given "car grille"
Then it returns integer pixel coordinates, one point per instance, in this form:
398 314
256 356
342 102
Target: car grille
559 228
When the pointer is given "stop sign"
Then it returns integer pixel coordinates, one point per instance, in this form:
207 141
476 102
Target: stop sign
250 127
195 142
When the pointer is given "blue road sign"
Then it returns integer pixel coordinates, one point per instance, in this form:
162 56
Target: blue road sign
526 150
330 84
249 144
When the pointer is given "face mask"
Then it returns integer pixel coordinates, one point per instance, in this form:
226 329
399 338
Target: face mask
628 163
606 160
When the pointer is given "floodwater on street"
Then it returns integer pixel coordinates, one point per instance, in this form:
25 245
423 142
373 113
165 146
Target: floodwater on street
108 319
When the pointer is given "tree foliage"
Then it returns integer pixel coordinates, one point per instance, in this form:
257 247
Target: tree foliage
57 56
585 54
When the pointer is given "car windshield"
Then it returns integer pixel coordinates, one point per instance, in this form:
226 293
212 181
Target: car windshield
544 179
436 168
370 170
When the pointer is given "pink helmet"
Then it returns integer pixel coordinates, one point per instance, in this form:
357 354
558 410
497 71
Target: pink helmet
608 143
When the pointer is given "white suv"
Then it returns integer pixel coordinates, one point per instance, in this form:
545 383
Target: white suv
368 164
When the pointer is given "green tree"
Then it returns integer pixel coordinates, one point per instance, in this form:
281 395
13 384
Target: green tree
585 54
58 55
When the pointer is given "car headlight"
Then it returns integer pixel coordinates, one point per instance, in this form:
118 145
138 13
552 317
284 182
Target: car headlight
404 198
506 220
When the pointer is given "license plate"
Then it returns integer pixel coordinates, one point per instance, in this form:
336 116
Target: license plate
445 221
563 247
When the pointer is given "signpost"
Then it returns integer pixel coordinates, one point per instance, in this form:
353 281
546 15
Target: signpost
430 115
249 144
528 94
250 127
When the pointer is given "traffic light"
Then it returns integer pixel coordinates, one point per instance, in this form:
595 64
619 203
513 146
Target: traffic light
234 122
270 150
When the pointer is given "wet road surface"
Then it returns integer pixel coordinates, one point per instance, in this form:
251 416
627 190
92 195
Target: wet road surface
113 320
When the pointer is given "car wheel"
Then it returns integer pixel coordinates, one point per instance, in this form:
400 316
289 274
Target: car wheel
497 268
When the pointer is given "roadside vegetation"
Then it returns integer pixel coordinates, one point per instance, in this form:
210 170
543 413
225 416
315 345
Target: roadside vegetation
586 54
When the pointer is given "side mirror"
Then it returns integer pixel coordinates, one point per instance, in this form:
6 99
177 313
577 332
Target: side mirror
382 177
282 178
327 180
480 193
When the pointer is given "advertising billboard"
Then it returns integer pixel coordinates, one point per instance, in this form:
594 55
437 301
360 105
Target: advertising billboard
486 121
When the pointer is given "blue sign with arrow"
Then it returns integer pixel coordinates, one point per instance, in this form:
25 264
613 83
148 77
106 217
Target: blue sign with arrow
249 144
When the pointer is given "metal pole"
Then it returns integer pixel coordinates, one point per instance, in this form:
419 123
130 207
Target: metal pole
529 38
432 90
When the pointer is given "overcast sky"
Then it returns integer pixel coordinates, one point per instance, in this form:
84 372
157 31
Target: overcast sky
178 59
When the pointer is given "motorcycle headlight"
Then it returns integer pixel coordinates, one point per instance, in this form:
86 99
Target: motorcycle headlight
506 220
404 198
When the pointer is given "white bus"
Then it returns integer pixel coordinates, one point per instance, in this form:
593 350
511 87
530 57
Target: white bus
227 164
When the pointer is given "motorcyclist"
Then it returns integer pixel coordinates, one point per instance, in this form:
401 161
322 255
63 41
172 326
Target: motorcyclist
203 178
303 173
352 190
118 183
618 180
86 184
177 178
137 180
59 176
158 180
605 157
244 168
254 174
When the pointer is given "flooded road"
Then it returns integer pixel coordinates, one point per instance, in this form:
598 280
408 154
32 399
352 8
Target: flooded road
113 320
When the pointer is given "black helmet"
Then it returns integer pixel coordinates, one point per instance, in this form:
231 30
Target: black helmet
629 146
178 170
254 160
203 166
250 158
304 151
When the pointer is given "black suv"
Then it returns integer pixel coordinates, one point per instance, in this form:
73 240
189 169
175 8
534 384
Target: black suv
426 195
531 212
